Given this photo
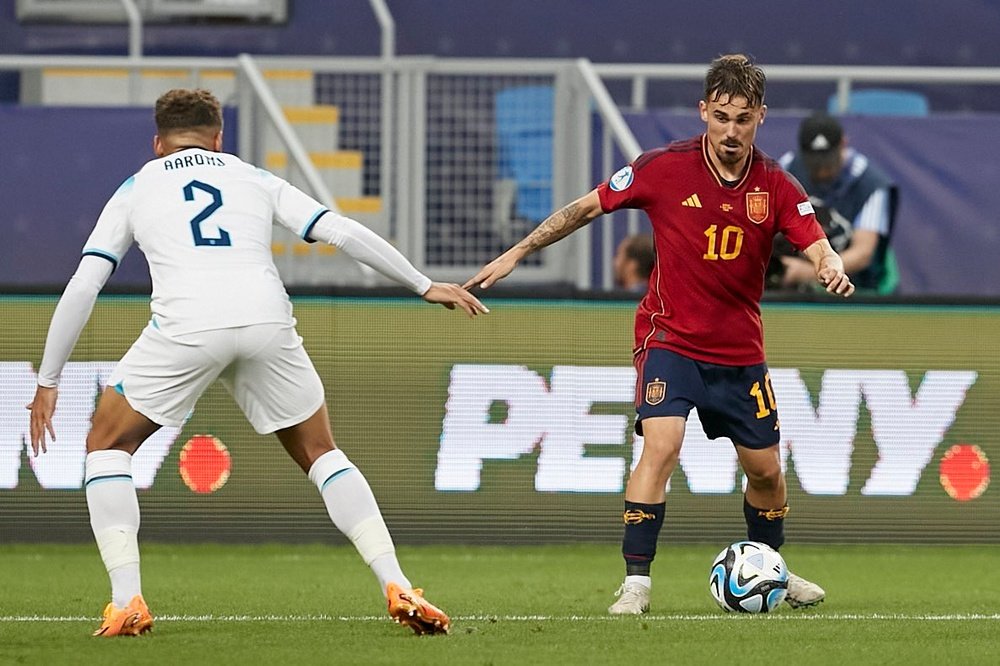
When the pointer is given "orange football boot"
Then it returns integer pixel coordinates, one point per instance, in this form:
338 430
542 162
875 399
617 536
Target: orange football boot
132 620
408 607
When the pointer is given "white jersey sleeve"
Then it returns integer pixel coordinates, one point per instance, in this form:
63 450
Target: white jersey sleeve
368 247
311 221
71 315
112 235
293 209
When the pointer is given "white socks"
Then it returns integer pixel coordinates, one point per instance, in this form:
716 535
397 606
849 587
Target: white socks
352 507
114 517
645 581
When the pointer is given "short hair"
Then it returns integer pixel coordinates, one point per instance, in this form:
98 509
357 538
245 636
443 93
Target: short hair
182 109
735 75
640 249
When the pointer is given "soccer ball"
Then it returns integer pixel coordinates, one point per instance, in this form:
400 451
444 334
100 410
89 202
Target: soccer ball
748 577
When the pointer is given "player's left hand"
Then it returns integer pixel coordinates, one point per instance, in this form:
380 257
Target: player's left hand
836 282
42 408
451 295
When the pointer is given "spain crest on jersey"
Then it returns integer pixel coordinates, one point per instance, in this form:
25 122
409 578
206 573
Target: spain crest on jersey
656 392
757 206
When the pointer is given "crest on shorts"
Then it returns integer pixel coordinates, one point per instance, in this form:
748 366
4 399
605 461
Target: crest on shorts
656 391
757 206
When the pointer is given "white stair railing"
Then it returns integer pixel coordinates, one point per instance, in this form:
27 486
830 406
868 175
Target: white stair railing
297 152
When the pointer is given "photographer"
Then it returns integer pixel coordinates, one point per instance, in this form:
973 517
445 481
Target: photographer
844 182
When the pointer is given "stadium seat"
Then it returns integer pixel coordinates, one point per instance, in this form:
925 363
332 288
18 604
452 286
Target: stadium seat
883 102
524 140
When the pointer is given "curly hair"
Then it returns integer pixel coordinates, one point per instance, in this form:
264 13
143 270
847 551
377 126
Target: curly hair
182 109
735 75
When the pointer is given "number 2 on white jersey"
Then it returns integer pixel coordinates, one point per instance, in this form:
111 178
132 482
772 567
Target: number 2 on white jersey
222 240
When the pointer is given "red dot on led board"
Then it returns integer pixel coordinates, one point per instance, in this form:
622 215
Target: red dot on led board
204 464
965 472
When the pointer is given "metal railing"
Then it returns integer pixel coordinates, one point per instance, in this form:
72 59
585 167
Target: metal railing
256 91
253 93
406 92
640 76
403 124
134 28
844 78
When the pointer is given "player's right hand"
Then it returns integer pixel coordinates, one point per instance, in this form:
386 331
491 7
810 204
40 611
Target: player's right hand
493 272
42 408
451 295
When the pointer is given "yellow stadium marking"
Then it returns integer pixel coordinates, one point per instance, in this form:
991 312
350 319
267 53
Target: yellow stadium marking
288 74
148 73
217 74
340 159
359 204
313 115
166 73
57 71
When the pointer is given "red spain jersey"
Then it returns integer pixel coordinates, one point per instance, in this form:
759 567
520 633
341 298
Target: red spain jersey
713 240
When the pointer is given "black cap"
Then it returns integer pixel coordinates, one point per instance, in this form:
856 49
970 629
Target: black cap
820 136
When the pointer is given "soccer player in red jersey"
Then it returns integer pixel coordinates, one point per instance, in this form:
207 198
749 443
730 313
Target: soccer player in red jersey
715 203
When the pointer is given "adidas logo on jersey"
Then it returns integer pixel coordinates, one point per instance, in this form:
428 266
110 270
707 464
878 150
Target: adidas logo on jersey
692 201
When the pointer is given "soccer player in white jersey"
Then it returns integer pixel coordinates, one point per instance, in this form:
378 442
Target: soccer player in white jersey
203 219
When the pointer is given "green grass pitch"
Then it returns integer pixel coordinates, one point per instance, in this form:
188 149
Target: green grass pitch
278 604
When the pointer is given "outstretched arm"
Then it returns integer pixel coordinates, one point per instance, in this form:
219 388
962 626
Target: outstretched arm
556 226
829 268
369 248
70 316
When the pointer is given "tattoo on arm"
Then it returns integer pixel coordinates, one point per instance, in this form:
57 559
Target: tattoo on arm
558 225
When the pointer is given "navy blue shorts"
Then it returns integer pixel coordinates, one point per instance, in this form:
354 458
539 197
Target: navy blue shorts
732 401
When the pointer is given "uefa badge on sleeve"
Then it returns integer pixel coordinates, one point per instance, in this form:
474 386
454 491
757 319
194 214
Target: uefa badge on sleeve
622 179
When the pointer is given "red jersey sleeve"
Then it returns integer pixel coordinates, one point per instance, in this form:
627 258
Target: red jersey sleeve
796 218
629 187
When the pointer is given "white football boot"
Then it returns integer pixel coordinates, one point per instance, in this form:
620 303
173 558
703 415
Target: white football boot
802 593
633 599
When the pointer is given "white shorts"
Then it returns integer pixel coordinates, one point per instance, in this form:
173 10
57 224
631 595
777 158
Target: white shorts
264 367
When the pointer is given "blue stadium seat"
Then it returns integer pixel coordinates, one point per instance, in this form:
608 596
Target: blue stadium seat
883 102
524 138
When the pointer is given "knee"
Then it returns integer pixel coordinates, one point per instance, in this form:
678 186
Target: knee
102 437
314 450
765 479
659 455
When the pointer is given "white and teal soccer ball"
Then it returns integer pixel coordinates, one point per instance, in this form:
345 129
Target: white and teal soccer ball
748 577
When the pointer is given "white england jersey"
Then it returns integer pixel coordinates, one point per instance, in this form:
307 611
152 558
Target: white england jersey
204 221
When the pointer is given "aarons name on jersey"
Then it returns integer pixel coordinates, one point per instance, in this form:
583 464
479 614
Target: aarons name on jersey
197 159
